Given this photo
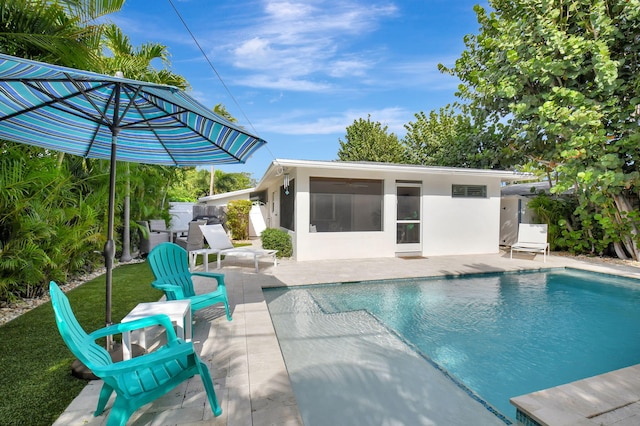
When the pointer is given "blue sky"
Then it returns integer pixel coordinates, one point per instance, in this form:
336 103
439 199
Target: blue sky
297 73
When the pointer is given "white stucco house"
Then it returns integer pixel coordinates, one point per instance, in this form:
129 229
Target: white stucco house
338 210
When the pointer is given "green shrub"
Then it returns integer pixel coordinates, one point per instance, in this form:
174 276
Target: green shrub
276 239
238 218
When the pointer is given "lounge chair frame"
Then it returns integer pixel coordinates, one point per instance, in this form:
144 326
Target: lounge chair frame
532 238
219 241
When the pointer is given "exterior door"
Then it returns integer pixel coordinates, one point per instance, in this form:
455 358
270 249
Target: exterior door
408 218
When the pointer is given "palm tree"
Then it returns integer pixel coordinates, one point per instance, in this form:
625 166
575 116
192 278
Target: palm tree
135 63
62 32
57 227
221 110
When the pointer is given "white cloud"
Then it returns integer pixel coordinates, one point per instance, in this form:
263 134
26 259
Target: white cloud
308 43
305 42
306 123
255 48
264 81
349 68
290 22
288 11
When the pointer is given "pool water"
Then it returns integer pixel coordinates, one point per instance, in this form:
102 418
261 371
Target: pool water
500 335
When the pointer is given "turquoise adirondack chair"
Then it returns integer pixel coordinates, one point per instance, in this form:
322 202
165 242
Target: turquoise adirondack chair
170 267
139 380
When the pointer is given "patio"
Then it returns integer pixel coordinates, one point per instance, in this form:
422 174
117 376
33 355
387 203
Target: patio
250 376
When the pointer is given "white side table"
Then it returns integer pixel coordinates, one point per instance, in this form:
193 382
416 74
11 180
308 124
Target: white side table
178 311
204 252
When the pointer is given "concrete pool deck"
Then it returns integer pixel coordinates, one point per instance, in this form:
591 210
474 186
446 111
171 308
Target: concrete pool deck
249 373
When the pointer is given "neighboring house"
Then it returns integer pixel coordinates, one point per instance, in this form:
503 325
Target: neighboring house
514 208
221 200
341 210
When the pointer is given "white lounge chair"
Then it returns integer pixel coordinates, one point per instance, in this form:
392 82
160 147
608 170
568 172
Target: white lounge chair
218 240
532 238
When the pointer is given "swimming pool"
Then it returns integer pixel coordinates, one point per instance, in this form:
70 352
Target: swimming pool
497 336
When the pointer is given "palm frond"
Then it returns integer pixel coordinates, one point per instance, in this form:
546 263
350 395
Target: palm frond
90 10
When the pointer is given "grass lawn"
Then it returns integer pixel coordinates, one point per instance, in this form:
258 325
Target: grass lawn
36 382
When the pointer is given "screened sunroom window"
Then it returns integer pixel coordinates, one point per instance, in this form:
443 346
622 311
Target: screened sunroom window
346 205
469 191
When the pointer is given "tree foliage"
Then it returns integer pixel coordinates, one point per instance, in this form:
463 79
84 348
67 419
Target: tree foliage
51 215
450 137
228 182
194 183
137 62
63 32
49 225
238 218
370 141
564 77
53 206
221 110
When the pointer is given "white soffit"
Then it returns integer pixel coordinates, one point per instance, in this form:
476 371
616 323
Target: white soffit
279 166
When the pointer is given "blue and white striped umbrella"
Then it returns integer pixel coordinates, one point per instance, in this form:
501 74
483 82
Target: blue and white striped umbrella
84 113
99 116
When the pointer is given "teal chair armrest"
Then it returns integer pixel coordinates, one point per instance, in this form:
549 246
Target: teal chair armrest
217 276
175 292
149 321
164 354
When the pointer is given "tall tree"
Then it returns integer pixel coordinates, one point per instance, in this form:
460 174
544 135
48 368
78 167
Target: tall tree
50 211
137 64
450 137
565 76
367 140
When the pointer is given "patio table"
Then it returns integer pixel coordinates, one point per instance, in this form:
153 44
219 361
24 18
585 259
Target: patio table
178 311
204 252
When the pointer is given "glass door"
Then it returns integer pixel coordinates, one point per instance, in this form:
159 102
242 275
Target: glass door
408 218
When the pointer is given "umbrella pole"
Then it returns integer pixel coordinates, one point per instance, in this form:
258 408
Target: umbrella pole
110 246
